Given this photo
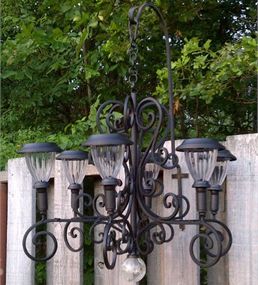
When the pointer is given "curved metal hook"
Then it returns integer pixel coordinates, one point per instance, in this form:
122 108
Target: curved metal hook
134 22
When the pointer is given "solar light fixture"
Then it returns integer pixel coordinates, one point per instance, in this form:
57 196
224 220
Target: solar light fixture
218 177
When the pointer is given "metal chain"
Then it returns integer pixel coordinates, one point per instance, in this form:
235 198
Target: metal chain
133 72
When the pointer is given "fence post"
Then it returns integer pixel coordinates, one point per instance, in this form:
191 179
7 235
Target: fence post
171 262
66 266
218 273
242 209
3 229
21 215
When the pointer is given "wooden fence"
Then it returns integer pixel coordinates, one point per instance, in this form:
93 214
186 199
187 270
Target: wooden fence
169 263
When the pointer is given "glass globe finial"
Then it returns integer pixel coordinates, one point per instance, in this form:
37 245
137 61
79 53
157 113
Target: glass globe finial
133 269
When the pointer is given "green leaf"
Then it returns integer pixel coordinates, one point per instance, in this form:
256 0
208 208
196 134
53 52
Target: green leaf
207 44
8 73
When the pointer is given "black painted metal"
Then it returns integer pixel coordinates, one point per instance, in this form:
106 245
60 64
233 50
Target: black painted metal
201 201
214 201
72 155
225 155
107 139
199 144
42 202
130 225
39 147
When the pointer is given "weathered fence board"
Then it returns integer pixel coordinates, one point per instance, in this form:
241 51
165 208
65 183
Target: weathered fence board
3 228
66 266
21 215
171 262
242 209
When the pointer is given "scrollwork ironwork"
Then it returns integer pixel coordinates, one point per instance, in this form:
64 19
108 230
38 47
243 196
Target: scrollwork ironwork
133 225
211 241
35 241
75 233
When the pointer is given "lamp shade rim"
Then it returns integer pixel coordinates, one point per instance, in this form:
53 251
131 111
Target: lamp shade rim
39 148
72 155
107 140
199 144
224 155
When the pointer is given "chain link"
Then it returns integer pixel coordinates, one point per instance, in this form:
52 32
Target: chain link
133 72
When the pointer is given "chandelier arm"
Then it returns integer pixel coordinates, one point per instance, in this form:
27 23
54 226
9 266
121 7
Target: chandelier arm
126 236
226 232
35 242
92 232
212 239
154 184
209 244
118 124
74 235
155 118
87 203
112 243
128 113
153 233
109 246
182 212
153 216
45 233
99 202
125 209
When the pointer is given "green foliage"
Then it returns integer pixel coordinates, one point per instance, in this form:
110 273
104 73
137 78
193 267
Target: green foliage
59 57
88 257
203 79
40 276
11 142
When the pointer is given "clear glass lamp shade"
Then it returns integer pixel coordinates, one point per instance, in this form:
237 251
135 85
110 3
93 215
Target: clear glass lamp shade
153 170
40 165
201 164
219 173
75 170
108 159
133 269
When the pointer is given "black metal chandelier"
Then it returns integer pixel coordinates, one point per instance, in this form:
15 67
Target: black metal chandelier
133 139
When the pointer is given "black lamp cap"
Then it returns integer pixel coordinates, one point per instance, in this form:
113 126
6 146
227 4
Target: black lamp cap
215 188
39 147
72 155
224 155
107 140
199 144
153 158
